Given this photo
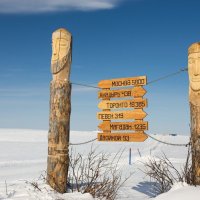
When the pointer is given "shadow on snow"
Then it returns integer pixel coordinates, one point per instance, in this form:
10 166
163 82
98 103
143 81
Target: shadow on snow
147 188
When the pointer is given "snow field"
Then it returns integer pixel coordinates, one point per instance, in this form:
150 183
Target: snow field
24 153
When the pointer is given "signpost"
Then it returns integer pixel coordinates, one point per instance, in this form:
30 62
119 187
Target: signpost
133 114
123 82
130 108
122 137
135 103
127 126
137 91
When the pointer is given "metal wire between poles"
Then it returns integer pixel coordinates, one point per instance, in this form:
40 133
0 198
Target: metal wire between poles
163 142
83 142
169 75
150 82
85 85
167 143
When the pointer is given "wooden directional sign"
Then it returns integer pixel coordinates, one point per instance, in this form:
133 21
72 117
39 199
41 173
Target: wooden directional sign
136 103
134 114
138 91
122 137
124 126
123 82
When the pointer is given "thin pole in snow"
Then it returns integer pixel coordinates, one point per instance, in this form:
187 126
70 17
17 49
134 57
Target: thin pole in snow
130 156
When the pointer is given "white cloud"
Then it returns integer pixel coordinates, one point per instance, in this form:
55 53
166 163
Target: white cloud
41 6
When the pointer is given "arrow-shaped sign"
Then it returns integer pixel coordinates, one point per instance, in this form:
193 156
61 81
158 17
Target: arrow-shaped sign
122 137
135 103
135 92
124 126
133 114
123 82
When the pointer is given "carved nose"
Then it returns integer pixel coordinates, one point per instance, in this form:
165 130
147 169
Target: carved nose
196 69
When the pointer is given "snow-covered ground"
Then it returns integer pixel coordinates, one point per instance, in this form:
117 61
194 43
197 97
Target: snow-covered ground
23 155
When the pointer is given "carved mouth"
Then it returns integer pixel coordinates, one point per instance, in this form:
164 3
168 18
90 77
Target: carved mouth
196 80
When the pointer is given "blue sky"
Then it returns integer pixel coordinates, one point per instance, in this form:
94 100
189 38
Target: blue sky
111 39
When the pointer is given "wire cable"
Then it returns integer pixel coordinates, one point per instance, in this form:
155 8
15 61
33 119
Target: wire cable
83 142
150 82
167 143
85 85
163 142
169 75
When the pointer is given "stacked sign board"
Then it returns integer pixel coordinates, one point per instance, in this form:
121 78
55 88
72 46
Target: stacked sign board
127 109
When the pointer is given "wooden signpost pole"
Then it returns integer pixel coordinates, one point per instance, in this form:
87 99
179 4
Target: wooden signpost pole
194 99
60 108
107 122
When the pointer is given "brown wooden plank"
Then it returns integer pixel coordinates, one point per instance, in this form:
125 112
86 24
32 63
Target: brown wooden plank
122 137
135 103
133 114
123 82
127 126
138 91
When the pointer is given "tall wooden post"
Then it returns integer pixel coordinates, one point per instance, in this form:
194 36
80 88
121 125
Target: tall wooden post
194 99
60 109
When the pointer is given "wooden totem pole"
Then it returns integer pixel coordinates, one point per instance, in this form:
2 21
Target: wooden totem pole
60 109
194 99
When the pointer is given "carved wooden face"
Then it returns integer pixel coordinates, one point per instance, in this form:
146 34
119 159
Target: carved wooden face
60 45
194 71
